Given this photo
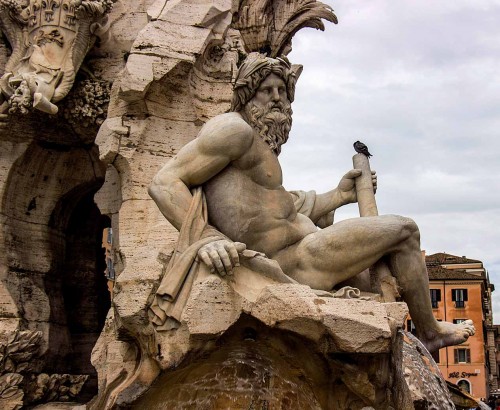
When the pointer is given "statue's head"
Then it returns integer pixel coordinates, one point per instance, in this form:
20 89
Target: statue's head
254 70
258 77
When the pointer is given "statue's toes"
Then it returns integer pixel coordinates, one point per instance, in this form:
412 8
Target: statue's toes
468 333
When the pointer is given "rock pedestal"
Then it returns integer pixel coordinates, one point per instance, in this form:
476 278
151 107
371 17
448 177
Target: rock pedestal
287 348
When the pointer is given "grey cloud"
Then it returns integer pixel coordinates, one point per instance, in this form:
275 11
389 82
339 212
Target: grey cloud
419 83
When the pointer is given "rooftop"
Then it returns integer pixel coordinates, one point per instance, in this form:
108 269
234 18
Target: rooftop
448 259
438 272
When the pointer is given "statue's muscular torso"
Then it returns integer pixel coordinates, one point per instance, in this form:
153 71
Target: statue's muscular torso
247 202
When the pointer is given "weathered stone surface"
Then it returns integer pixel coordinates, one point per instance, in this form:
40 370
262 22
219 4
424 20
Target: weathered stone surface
326 325
61 406
137 77
49 171
353 325
212 298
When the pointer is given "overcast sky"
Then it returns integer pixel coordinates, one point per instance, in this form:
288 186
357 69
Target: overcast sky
419 83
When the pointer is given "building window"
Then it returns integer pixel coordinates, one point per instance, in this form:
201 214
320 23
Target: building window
459 296
462 355
464 385
435 297
458 321
110 271
410 327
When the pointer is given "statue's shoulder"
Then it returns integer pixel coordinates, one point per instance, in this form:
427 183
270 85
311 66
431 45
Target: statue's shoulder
224 128
230 122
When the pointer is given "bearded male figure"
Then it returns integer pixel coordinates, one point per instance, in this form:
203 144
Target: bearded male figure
235 160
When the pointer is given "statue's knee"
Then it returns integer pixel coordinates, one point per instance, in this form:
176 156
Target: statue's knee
410 228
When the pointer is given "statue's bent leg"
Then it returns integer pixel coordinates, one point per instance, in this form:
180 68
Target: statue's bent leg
332 255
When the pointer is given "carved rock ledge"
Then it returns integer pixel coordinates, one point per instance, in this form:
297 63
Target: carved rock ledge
283 346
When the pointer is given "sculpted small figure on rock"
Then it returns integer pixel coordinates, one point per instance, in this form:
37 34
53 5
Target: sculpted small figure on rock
235 161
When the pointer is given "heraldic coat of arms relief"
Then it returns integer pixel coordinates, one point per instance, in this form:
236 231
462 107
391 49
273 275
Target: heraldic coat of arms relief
49 40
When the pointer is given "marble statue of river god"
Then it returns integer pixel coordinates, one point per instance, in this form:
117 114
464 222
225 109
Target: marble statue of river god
234 160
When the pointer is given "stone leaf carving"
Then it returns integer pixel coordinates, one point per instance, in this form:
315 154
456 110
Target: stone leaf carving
54 387
49 40
270 25
17 350
11 395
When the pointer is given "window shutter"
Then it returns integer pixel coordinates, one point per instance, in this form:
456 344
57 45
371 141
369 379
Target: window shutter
465 295
467 355
456 355
438 295
454 295
435 356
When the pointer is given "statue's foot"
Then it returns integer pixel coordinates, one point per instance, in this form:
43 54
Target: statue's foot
447 334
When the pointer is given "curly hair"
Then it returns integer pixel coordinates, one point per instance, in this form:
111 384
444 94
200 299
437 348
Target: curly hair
255 69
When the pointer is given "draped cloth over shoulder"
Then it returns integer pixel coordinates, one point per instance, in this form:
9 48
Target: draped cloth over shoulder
175 286
304 204
255 273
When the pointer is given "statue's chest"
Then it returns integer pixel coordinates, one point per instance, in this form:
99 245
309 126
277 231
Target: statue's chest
261 165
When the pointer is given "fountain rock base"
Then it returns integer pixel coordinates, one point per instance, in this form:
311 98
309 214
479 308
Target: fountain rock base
289 347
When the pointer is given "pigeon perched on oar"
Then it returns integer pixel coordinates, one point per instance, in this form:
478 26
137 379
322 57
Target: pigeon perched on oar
361 148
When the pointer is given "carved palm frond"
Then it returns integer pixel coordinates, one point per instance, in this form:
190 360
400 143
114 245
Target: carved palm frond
290 17
253 20
269 25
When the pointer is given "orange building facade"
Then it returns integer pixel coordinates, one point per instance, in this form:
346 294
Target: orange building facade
460 290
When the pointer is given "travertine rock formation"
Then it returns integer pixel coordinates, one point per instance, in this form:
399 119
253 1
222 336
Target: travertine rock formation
287 347
342 347
51 266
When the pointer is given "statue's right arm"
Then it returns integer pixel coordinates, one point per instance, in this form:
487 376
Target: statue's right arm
223 139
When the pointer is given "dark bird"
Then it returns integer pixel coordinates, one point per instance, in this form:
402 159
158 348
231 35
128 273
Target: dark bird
361 148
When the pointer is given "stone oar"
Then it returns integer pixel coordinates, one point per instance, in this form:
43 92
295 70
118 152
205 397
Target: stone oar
380 276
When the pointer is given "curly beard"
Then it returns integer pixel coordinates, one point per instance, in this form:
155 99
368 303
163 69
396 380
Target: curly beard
272 122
